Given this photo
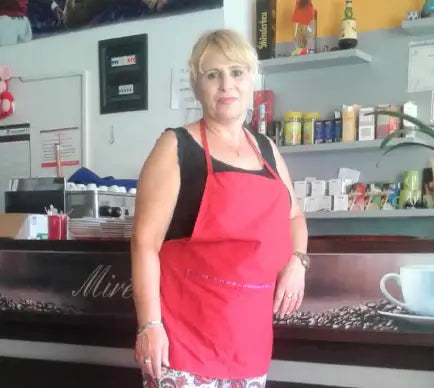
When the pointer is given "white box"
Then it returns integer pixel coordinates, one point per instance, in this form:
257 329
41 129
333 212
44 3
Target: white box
24 226
318 188
311 204
336 187
409 108
301 189
366 124
340 202
325 203
302 203
349 175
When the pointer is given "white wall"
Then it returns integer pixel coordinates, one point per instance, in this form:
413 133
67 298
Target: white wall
240 15
170 40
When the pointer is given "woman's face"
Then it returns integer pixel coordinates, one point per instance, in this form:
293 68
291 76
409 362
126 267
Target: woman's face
223 87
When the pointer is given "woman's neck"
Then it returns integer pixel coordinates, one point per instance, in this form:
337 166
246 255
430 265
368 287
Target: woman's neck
230 131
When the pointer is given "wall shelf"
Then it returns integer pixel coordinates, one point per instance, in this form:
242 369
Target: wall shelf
398 213
340 146
315 61
423 26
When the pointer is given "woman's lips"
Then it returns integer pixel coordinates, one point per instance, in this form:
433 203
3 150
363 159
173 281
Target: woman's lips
226 100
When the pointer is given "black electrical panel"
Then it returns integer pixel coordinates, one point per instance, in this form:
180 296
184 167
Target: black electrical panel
123 74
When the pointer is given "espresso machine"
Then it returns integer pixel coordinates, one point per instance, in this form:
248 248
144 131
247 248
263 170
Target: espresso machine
36 195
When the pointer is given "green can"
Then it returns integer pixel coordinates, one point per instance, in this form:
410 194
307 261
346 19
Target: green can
292 128
309 120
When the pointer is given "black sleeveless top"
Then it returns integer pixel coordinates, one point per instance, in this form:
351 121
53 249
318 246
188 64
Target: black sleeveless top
193 170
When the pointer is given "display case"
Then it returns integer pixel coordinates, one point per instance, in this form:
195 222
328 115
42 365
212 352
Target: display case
80 292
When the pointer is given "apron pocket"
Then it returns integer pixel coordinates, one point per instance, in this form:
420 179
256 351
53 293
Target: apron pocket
226 317
237 259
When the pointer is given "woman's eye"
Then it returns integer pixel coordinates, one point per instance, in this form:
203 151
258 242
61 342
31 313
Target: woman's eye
237 73
212 75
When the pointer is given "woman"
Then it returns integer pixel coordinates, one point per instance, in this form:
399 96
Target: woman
218 245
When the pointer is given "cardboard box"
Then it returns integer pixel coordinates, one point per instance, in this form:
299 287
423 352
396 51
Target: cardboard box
350 114
340 202
311 204
302 203
266 28
336 187
325 203
318 188
366 124
409 108
387 124
301 189
24 226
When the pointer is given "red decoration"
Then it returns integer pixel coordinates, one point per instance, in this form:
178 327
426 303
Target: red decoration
7 105
304 12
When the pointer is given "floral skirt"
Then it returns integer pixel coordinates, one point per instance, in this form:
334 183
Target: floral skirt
171 378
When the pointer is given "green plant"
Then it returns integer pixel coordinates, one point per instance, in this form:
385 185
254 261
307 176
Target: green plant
421 127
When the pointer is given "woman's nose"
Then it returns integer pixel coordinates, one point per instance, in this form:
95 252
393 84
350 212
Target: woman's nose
226 82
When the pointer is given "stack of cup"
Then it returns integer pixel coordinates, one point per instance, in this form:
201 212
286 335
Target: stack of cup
410 193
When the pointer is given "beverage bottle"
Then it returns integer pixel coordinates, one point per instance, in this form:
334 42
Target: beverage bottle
348 37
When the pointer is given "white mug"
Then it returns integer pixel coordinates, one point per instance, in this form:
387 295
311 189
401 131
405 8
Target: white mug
70 186
92 186
80 187
417 285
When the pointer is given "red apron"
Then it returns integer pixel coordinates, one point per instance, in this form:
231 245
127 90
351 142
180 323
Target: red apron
217 287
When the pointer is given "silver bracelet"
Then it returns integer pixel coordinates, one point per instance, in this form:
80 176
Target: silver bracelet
142 329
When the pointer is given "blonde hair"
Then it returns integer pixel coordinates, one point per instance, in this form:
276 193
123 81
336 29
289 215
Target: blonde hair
230 43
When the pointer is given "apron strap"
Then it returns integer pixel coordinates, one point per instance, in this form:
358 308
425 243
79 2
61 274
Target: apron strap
205 146
259 155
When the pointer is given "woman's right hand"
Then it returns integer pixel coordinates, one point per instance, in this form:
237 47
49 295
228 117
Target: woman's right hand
152 346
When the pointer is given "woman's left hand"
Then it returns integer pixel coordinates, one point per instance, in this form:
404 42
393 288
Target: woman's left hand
290 288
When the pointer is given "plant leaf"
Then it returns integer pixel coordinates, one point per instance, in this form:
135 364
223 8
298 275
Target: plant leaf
393 135
400 145
421 126
394 147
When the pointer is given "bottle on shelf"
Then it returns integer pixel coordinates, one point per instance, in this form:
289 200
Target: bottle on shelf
305 28
428 9
262 121
348 38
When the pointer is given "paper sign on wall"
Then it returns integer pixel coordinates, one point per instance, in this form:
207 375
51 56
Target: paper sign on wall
421 66
69 140
182 95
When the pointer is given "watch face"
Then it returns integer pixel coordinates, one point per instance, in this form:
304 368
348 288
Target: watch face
305 260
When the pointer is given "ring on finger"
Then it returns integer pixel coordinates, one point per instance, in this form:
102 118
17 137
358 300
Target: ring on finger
290 295
147 361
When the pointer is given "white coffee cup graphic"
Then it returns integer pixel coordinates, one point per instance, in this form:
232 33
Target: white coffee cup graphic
417 285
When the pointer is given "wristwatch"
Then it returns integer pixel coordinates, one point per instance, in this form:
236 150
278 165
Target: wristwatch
305 259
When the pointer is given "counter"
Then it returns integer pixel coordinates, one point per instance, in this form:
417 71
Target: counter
79 293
